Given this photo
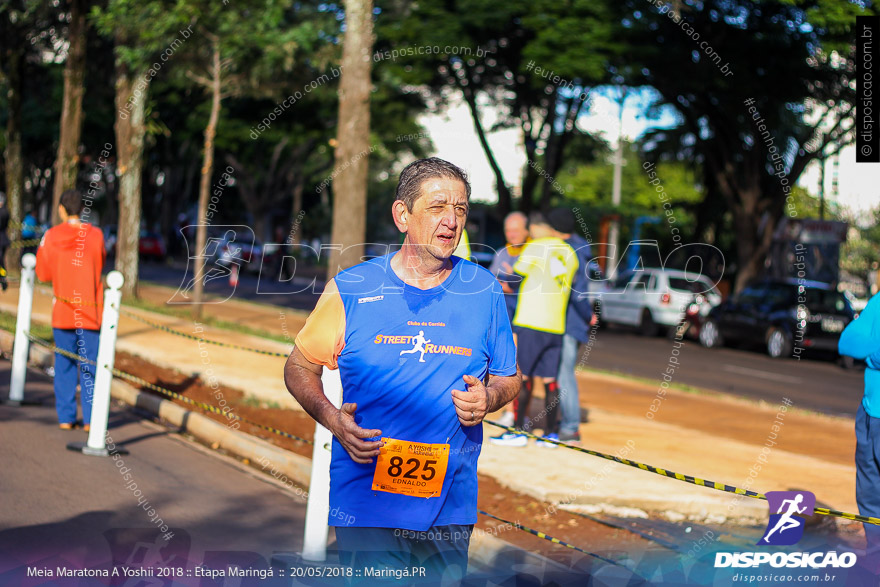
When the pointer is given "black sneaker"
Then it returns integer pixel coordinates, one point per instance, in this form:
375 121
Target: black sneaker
569 436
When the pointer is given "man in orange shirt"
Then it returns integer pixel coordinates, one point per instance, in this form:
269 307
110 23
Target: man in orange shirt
71 256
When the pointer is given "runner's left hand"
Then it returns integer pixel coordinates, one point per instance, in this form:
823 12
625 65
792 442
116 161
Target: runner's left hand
471 405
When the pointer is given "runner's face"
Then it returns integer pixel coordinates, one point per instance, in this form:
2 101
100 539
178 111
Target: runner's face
438 216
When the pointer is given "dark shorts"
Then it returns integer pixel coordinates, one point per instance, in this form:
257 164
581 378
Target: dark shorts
538 353
439 554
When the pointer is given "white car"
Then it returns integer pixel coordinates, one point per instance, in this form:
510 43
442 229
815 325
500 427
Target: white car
654 299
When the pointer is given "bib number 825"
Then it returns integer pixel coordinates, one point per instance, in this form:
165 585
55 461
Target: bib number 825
396 468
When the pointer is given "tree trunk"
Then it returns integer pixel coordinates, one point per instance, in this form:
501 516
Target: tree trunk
67 162
14 163
504 197
130 132
295 234
746 248
205 182
555 152
529 181
353 136
550 156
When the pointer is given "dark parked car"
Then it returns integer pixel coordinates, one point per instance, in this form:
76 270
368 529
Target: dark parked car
769 314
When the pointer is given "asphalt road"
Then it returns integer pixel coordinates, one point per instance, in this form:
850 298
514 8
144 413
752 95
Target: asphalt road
62 508
300 293
812 383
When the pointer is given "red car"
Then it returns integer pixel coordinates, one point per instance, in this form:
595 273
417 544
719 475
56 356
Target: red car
151 246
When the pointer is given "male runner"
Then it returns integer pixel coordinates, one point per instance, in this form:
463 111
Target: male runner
407 438
547 265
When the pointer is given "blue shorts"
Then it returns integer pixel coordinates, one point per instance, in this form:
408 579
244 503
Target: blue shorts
538 353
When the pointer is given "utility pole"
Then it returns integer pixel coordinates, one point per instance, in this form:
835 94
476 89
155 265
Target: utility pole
614 232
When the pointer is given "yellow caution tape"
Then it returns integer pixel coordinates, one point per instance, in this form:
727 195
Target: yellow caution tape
69 301
158 326
144 383
549 538
680 477
20 244
649 468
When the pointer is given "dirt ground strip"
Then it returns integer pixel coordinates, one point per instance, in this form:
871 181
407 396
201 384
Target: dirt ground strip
825 437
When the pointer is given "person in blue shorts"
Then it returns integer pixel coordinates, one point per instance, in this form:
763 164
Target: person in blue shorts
579 318
861 340
548 266
424 349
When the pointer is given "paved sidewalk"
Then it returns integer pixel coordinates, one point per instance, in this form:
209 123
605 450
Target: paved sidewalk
62 508
811 452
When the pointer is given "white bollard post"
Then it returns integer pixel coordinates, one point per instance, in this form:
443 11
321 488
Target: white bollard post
318 507
22 326
96 445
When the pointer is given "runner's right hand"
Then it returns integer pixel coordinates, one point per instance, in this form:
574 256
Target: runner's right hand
351 436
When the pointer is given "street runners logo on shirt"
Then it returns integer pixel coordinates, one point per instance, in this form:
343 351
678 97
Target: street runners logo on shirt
422 345
785 528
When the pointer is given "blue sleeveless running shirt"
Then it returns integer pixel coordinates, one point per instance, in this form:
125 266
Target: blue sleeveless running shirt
400 352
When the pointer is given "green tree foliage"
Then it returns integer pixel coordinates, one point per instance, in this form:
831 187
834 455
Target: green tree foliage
532 62
27 33
589 187
139 50
860 254
792 61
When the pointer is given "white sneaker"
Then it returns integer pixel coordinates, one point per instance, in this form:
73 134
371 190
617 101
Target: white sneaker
510 439
506 419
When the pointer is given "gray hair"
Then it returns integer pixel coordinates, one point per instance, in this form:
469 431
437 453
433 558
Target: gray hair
409 186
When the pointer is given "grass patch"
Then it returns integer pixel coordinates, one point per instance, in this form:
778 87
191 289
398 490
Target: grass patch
254 402
186 313
7 322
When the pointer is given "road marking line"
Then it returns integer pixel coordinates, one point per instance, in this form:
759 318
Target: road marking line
761 374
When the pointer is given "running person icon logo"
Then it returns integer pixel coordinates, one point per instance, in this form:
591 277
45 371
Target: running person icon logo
419 342
786 526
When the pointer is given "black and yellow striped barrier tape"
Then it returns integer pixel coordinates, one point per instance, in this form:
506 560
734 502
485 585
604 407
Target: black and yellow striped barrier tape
649 468
216 410
69 301
164 328
680 477
20 244
549 538
167 392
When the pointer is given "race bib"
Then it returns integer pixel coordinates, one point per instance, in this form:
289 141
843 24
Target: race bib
411 468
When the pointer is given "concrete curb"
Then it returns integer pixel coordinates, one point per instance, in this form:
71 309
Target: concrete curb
485 549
